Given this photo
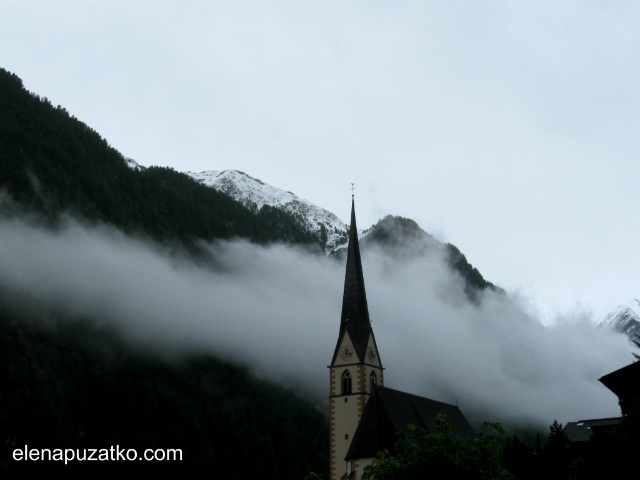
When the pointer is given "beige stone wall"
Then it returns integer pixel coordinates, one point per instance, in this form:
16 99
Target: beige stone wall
345 411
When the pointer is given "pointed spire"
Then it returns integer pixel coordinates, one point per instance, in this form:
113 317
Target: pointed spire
354 300
355 313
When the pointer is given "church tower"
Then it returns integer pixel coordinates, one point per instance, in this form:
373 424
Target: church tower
355 367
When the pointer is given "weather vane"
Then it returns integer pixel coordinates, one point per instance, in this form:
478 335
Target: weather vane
353 187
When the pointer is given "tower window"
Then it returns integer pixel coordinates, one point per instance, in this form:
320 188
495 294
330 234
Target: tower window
374 380
346 382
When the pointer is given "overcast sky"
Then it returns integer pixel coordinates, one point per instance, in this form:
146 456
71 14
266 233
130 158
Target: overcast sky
507 128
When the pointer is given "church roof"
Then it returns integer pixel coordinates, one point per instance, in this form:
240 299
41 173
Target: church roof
390 411
355 313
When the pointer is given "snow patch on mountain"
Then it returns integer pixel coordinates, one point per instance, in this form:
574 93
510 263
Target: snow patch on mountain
254 194
132 164
624 319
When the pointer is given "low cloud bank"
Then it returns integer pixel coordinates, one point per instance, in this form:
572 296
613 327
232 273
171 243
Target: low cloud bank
277 310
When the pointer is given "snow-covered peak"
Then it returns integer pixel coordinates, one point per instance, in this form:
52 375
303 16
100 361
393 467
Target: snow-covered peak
244 188
254 194
625 319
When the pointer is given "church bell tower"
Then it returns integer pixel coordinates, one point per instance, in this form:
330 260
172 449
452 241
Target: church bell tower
355 367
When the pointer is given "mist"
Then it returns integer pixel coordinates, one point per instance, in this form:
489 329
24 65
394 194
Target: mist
276 309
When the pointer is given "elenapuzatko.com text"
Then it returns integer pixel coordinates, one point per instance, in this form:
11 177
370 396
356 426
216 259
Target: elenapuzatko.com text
111 454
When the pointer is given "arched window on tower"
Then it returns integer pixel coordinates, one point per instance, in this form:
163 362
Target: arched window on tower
346 382
374 380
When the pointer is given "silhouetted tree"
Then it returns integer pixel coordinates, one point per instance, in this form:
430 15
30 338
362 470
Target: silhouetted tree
556 451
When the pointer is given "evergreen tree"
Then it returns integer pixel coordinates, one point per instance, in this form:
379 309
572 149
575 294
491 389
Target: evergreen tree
323 235
556 451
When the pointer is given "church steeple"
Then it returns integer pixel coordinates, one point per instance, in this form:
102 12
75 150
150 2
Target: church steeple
355 369
355 313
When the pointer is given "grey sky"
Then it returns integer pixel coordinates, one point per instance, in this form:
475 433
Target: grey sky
506 128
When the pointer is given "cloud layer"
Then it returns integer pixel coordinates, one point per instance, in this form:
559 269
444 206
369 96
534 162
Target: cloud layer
277 310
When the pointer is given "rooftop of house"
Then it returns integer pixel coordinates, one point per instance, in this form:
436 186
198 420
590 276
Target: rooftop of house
582 430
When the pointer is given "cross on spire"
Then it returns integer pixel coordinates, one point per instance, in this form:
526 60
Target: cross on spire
353 187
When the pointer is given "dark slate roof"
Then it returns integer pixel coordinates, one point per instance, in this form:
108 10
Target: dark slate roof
582 430
625 382
389 412
355 313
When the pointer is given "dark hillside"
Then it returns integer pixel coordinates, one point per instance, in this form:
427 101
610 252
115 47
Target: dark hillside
473 280
402 238
66 383
72 385
53 163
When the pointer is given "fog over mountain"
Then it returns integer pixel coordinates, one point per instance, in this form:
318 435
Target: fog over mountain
277 309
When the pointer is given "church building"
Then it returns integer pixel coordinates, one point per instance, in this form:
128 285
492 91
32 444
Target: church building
364 415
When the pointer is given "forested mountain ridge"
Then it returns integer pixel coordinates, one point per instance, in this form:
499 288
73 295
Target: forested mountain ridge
402 238
53 163
67 382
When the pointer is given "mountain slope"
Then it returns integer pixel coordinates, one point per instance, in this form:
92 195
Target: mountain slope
625 319
255 194
398 237
66 383
53 163
402 238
